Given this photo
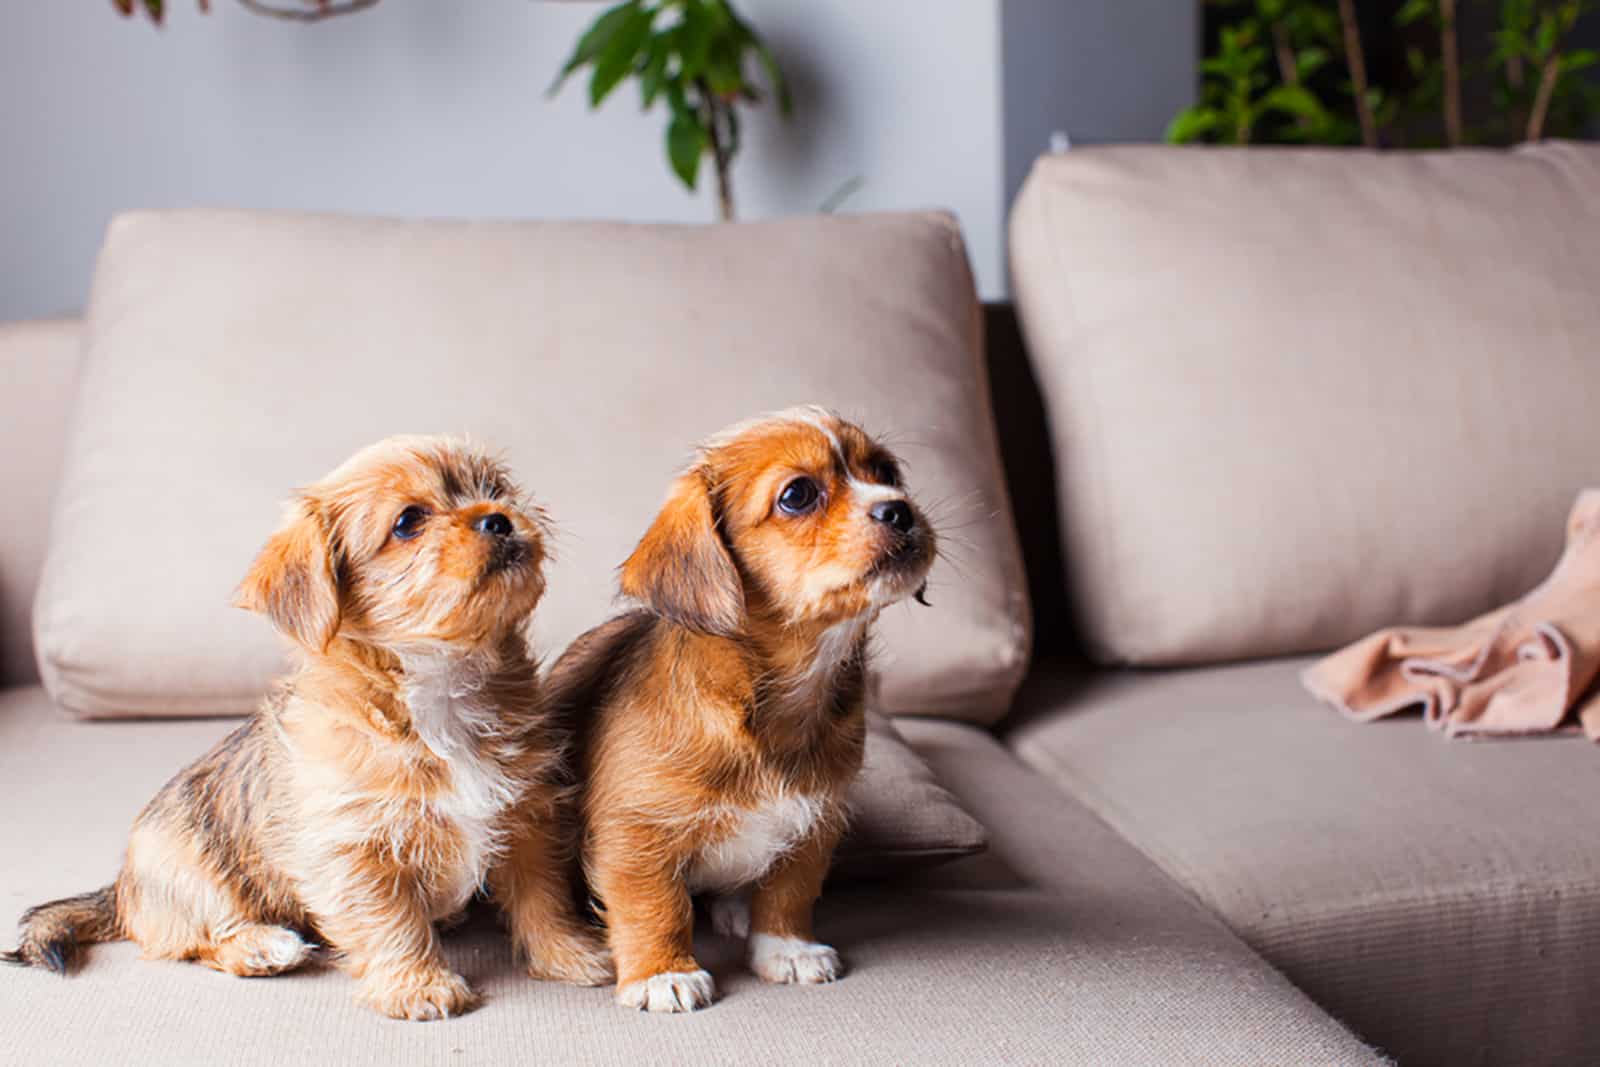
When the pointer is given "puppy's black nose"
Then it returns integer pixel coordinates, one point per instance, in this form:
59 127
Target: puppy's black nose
894 513
493 523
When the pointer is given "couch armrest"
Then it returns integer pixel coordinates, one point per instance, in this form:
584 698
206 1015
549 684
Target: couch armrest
39 366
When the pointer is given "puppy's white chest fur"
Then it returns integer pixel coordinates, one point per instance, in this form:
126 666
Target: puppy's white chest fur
760 836
455 721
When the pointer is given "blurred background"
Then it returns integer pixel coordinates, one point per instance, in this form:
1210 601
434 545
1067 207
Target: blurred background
420 107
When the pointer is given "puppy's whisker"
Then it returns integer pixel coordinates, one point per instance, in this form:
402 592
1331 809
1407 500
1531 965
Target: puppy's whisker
970 507
956 565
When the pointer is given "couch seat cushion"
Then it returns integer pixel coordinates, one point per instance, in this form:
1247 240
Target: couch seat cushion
1059 945
1442 897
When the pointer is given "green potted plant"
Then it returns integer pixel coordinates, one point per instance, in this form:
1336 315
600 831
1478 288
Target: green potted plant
696 55
1298 72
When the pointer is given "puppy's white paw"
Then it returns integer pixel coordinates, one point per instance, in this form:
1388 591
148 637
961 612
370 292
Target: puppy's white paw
258 949
730 915
791 961
673 991
281 950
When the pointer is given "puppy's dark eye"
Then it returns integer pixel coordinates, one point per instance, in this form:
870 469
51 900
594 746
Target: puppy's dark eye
410 523
799 496
885 471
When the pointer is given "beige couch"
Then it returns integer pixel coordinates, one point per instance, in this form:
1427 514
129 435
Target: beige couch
1189 861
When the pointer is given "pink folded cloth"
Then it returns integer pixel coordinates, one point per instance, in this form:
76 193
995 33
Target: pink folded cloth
1525 668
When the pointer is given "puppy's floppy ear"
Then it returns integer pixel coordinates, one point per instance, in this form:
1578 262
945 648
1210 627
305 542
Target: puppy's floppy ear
681 568
293 580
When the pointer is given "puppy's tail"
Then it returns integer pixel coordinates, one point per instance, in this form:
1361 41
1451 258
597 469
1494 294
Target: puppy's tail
53 933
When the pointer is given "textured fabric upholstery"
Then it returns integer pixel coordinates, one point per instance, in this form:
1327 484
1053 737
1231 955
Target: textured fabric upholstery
901 818
38 378
1299 395
1442 897
1059 945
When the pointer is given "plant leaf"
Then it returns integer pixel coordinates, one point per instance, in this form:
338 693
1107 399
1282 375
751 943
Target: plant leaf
1294 100
1311 60
652 76
723 73
1414 11
678 97
1579 59
595 38
1191 124
686 143
694 40
621 55
1548 32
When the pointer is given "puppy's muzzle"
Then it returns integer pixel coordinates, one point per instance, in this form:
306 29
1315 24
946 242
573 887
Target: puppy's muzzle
895 514
905 540
494 524
506 550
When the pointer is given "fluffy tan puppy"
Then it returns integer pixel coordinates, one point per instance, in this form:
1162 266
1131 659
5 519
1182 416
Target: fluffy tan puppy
371 794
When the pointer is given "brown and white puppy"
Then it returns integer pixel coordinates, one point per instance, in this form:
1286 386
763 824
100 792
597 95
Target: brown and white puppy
368 797
723 721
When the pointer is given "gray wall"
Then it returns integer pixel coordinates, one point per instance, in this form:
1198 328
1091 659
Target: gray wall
1099 71
420 107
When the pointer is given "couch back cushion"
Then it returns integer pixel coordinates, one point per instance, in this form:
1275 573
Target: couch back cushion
39 369
1301 394
233 356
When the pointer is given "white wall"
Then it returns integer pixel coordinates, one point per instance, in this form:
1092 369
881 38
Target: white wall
429 107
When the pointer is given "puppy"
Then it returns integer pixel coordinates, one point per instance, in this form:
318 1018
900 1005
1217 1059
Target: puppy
367 798
723 721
